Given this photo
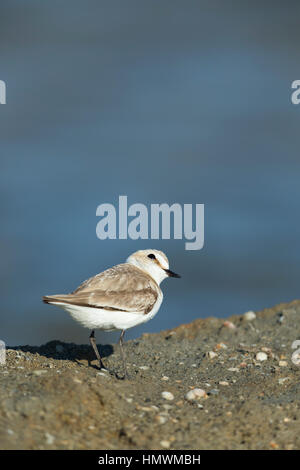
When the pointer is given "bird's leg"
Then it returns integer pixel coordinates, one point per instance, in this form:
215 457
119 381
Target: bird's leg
123 354
94 346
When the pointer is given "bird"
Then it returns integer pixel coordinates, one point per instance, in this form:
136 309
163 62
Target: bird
119 298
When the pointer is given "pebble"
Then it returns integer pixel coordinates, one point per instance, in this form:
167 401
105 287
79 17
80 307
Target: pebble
229 324
103 374
161 419
165 378
280 318
214 391
283 363
167 395
39 372
261 356
144 408
282 380
77 381
195 394
233 369
223 382
165 444
296 358
167 407
144 367
249 316
49 438
212 354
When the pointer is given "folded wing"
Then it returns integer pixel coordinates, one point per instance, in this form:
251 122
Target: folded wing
123 288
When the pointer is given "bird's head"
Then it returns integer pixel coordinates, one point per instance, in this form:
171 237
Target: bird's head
153 262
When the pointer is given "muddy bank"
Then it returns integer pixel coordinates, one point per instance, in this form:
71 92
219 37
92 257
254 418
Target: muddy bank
55 397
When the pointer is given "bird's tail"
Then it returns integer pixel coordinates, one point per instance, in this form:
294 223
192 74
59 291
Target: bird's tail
55 299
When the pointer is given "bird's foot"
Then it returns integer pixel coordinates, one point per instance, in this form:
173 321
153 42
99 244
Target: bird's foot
126 376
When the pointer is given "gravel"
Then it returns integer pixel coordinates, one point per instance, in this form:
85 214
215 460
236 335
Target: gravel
55 397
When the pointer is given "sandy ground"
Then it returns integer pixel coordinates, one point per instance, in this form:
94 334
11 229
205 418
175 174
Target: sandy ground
55 397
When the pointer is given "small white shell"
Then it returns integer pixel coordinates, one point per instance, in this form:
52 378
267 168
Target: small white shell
261 356
167 395
212 354
249 316
195 394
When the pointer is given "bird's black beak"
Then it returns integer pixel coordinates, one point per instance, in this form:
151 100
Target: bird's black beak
171 274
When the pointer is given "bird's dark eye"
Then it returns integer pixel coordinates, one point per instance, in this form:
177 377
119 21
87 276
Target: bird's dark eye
151 256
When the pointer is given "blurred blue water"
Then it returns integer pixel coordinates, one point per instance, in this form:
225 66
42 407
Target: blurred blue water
163 103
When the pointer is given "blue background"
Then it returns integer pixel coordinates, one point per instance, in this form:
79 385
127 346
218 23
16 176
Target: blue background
172 101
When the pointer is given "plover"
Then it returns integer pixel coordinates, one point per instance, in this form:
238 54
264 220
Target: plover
119 298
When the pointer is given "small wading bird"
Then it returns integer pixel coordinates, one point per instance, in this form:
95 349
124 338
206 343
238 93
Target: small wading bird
119 298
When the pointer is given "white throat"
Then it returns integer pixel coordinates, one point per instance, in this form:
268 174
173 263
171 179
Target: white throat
155 271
